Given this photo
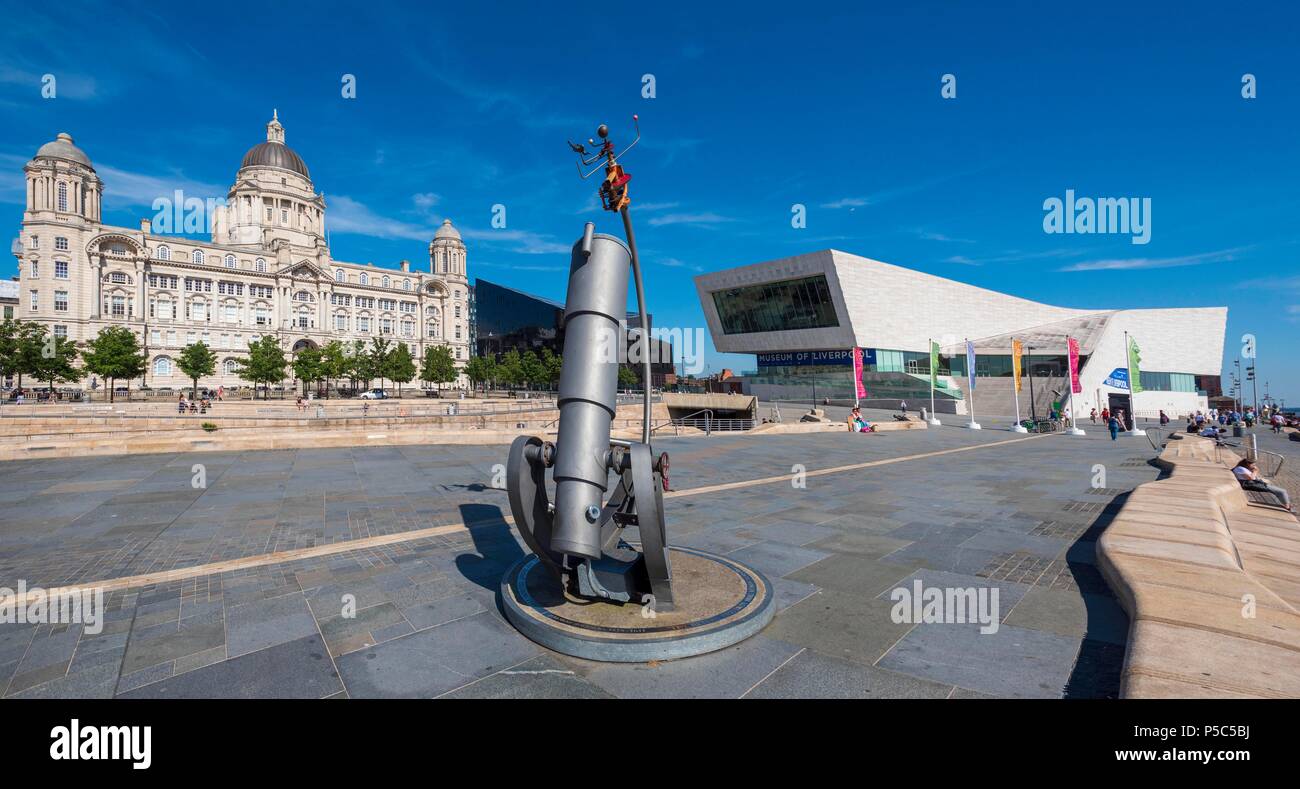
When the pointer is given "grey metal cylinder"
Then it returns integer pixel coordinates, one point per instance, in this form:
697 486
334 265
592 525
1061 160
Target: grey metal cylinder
595 306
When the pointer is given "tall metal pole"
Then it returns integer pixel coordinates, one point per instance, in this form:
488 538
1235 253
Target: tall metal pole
1033 408
645 323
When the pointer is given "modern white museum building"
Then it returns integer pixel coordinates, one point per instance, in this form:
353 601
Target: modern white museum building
803 317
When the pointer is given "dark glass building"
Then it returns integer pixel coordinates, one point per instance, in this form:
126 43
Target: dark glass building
503 318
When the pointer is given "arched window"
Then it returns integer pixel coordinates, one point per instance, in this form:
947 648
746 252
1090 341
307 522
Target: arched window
303 295
365 280
164 253
338 275
406 284
434 329
162 366
63 196
387 283
230 261
260 265
231 367
197 257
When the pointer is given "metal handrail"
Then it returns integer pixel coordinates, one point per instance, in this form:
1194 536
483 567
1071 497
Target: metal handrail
1281 460
1159 431
708 420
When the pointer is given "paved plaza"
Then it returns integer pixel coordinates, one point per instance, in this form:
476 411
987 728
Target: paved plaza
947 506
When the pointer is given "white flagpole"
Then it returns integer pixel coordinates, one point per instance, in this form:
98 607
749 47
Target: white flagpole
1132 390
1075 430
970 380
934 420
1015 389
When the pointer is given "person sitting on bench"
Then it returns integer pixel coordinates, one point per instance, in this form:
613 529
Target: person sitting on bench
1250 479
858 424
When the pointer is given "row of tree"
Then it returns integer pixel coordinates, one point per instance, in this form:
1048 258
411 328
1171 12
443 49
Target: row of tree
527 369
28 349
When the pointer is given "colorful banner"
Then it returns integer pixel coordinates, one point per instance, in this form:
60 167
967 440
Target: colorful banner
1016 350
934 364
857 373
970 363
1073 344
1134 372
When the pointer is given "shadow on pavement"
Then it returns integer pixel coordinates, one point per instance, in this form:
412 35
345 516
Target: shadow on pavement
494 541
1097 671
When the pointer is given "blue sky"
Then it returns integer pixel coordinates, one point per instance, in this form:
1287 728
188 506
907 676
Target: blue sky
758 107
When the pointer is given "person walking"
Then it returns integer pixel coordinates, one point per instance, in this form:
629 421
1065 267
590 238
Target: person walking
1093 416
903 405
1113 425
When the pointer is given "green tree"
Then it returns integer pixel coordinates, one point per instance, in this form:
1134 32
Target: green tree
55 362
532 370
554 364
400 366
439 367
509 370
308 366
265 363
21 344
196 360
479 369
379 350
626 378
113 355
334 361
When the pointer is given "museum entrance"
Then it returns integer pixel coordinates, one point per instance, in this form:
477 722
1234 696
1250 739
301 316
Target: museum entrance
1121 402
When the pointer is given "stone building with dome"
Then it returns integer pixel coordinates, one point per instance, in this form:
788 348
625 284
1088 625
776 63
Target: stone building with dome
267 269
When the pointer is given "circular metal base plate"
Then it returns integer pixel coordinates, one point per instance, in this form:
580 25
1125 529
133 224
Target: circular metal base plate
719 602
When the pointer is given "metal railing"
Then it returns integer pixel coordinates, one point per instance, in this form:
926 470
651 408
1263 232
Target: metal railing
677 423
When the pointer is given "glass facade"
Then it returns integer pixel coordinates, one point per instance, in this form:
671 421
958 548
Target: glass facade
774 306
1169 382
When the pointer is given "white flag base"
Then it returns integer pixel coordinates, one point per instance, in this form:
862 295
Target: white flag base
1134 432
1074 431
934 421
1019 429
974 425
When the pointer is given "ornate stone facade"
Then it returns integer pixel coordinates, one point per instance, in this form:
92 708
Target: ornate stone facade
266 270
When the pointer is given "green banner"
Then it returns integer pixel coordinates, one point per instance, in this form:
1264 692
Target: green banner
934 363
1134 373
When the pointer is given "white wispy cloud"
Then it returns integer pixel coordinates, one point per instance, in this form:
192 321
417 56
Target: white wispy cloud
848 202
345 215
134 188
1124 264
706 219
891 193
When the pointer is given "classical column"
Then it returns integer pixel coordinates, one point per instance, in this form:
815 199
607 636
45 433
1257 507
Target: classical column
97 270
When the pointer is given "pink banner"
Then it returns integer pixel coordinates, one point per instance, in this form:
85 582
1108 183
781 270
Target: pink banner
1075 386
857 373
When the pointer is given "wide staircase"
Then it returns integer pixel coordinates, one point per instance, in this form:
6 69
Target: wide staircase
995 397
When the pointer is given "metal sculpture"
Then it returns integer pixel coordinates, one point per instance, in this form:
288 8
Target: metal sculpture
580 536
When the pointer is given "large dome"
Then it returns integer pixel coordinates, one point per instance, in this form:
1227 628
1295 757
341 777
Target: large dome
275 154
447 231
62 148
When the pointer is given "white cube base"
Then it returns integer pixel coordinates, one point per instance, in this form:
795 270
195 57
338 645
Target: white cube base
1075 431
974 425
1019 429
